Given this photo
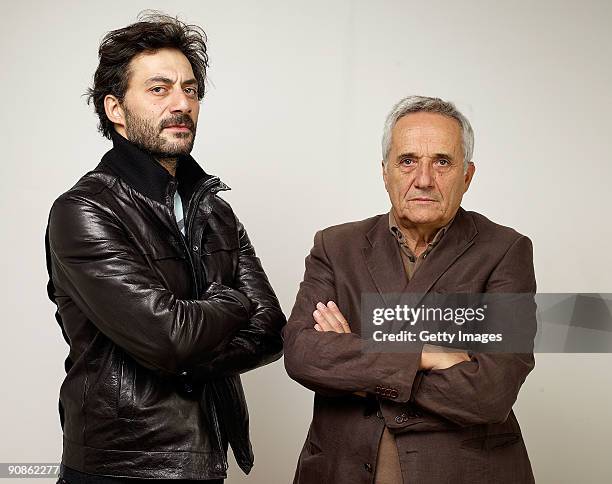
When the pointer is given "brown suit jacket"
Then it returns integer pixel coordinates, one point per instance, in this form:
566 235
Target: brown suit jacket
454 425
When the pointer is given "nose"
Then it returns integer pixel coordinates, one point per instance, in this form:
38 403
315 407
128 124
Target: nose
179 102
424 177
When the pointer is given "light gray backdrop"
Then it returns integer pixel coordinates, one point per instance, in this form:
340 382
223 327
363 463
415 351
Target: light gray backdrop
292 122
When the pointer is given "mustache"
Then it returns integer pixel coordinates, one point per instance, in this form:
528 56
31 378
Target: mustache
179 119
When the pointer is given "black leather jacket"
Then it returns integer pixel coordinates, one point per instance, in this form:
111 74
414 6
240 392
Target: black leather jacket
159 325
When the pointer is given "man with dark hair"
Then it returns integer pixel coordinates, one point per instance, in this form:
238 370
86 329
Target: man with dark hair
158 289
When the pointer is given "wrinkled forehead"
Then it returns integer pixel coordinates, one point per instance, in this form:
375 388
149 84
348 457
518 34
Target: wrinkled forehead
427 133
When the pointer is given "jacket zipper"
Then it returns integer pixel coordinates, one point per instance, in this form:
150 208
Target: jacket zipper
199 192
218 433
185 247
201 189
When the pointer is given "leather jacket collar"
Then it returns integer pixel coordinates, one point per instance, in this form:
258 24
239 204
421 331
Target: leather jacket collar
143 173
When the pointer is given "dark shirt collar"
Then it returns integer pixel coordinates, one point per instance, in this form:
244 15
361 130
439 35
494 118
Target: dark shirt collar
145 174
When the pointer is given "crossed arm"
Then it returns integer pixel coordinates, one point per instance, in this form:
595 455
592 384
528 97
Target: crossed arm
329 318
92 261
259 342
324 355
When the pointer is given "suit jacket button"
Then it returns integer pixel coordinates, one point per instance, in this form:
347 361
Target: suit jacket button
368 467
399 419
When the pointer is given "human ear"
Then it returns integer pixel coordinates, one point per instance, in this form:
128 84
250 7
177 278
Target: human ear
469 174
384 173
114 111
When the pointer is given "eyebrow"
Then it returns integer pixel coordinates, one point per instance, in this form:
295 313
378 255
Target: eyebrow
167 80
436 155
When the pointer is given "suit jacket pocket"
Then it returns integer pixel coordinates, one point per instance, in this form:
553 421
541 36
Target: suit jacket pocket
499 457
473 286
312 469
490 442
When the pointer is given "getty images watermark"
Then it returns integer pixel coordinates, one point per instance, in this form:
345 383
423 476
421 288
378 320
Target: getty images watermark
417 316
488 322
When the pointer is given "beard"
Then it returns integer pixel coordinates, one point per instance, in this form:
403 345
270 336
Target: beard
148 137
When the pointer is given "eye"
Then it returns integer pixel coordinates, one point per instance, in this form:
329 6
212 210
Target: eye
444 162
192 91
158 89
407 162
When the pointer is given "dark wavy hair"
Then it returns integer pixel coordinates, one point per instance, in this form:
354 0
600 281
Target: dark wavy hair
153 31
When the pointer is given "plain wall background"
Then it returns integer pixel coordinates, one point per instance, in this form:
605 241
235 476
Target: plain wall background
292 122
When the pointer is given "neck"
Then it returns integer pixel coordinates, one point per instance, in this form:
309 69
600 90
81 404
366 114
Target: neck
417 236
169 164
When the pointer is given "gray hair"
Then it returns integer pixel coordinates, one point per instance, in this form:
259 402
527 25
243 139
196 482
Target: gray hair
417 104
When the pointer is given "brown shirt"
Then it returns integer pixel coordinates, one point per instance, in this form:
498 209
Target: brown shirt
388 469
412 262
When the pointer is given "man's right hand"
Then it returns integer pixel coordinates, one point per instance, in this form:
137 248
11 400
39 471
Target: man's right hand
440 357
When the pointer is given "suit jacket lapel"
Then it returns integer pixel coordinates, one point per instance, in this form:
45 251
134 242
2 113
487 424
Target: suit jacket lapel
458 238
383 260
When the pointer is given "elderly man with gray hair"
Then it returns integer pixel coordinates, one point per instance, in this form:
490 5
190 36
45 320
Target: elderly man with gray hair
423 417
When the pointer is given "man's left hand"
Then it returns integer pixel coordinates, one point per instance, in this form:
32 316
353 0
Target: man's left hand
329 318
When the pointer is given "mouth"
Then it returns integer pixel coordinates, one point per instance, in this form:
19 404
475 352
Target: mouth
178 127
422 200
